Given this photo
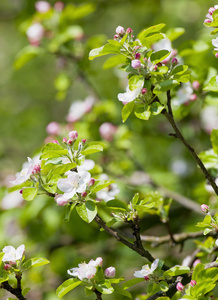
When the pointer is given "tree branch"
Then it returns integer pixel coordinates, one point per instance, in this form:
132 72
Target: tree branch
14 291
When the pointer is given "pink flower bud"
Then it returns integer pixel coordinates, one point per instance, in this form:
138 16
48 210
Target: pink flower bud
73 135
144 91
211 10
69 142
42 6
174 61
64 140
196 262
196 85
84 194
59 6
83 141
136 64
91 182
193 97
137 55
7 267
193 283
13 263
90 275
107 131
21 191
174 52
155 68
36 169
60 200
216 55
99 261
129 30
205 208
179 286
110 272
120 30
53 128
116 37
165 61
55 142
207 21
146 278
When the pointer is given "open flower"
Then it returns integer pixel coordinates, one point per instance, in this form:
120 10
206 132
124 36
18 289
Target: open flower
79 108
35 33
11 254
28 169
86 270
76 182
183 94
108 192
145 271
129 95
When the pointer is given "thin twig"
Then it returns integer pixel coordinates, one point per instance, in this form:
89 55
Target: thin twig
14 291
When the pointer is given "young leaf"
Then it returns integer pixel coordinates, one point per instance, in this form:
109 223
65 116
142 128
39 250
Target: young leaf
165 86
87 211
132 282
104 50
35 262
92 147
52 150
158 56
25 55
142 112
156 108
149 30
127 109
174 33
135 198
29 193
105 288
116 205
68 210
135 82
177 270
114 61
214 140
67 286
123 292
100 184
212 85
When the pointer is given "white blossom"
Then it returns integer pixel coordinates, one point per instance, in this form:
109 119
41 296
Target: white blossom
86 271
183 94
79 108
35 33
146 270
215 43
163 44
108 192
11 200
129 95
11 254
76 182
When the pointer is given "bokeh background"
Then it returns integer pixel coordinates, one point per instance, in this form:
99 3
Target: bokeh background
30 99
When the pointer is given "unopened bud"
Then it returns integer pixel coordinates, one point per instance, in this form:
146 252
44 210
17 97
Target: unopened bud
179 286
165 61
129 30
193 97
144 91
207 21
110 272
196 262
59 6
21 191
99 261
36 169
136 64
193 283
196 85
69 142
53 128
120 30
42 6
137 55
84 194
216 55
205 208
7 267
155 68
211 10
91 182
83 141
174 61
55 142
65 140
116 37
73 135
146 278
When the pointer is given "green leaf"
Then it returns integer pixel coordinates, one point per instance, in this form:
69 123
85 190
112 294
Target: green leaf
51 150
35 262
127 109
180 69
132 282
163 286
93 147
209 158
68 210
158 56
212 85
67 286
25 291
135 199
100 184
116 205
88 291
3 276
72 12
61 169
62 82
214 140
156 108
87 211
104 50
25 55
114 61
150 30
175 33
1 256
105 288
29 193
207 230
123 292
206 222
149 40
177 270
143 111
165 86
136 81
99 276
197 269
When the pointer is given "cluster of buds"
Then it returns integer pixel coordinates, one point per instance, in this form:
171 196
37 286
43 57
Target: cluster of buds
209 17
120 32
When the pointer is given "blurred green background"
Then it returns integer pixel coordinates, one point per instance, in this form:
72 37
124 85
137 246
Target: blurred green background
28 103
